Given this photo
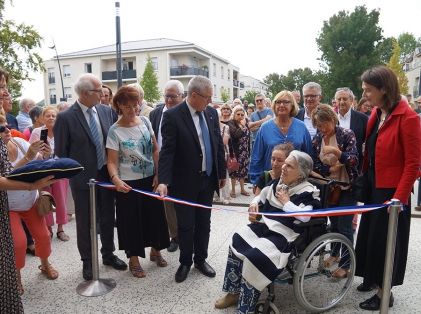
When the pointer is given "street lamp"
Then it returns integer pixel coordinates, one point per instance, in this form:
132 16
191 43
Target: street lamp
118 45
59 68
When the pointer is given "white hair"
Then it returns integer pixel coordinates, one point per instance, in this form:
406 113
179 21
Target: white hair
198 84
24 101
312 85
305 162
85 82
176 84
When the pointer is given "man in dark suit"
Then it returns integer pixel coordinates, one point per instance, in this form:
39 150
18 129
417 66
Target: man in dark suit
173 95
80 133
312 94
351 119
192 167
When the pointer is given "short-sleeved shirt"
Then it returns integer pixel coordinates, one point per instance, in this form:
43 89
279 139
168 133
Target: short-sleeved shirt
134 146
259 115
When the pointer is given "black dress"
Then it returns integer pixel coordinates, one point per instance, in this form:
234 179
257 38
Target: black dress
9 296
372 235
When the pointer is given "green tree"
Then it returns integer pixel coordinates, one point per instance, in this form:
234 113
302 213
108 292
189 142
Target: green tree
385 49
348 43
250 95
396 66
149 82
225 94
274 82
407 43
18 52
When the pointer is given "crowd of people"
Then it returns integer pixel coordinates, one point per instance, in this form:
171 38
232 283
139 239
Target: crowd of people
188 148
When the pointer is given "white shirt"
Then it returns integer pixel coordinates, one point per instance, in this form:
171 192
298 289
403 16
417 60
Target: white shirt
160 125
309 125
98 125
196 122
21 200
345 121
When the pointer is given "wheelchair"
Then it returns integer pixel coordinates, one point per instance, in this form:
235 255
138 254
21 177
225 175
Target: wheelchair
315 289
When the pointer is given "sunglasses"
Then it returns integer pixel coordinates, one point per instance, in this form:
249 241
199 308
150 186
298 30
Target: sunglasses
259 100
3 128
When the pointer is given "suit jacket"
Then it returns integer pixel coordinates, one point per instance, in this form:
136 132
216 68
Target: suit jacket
180 159
300 114
73 139
359 126
155 118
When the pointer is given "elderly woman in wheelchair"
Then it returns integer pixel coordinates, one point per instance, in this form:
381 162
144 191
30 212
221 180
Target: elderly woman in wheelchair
260 251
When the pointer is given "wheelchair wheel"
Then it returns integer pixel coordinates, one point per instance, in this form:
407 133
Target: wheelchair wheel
315 288
260 308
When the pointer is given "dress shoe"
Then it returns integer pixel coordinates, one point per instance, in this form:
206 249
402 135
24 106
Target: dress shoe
227 300
182 273
205 269
114 262
373 304
173 245
87 270
363 287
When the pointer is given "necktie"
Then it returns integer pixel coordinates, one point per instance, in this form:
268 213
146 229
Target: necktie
206 141
95 136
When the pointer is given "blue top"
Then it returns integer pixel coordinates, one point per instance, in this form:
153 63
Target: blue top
268 137
259 115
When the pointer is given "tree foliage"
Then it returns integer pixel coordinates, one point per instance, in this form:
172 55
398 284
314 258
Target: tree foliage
396 66
149 82
348 42
225 94
250 95
407 43
18 52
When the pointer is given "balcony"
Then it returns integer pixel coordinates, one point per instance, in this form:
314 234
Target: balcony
53 100
112 75
187 70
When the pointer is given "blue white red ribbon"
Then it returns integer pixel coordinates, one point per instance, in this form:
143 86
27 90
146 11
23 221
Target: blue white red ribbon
332 211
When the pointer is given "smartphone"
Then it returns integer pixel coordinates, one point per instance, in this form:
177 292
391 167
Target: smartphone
43 136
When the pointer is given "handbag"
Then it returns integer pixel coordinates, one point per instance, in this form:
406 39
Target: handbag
360 188
45 203
232 162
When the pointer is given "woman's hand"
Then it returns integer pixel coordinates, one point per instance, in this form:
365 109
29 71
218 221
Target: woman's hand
121 186
34 149
282 196
46 151
253 208
155 183
42 183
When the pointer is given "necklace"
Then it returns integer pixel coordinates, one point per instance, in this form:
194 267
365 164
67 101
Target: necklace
284 128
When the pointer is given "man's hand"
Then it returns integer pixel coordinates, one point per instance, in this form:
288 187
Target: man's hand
162 189
222 183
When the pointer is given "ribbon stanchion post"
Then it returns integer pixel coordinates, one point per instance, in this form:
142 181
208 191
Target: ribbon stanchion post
390 254
96 286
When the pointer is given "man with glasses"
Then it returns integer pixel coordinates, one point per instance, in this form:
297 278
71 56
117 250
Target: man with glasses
351 119
173 95
312 93
262 114
192 168
80 133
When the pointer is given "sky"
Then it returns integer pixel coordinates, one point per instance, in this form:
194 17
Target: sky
260 37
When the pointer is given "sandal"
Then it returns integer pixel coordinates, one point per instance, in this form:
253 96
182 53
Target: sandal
62 236
137 270
245 193
330 261
48 271
160 262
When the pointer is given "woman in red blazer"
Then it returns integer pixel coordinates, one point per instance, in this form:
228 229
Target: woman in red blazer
391 163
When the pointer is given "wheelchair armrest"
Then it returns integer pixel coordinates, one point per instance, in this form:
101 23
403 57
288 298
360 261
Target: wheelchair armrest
313 222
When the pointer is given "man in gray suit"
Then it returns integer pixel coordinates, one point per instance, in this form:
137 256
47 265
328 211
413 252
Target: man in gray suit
80 133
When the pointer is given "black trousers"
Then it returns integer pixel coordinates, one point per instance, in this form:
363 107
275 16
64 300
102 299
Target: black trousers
105 218
193 223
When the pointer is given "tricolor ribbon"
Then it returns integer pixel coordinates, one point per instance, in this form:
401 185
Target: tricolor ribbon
332 211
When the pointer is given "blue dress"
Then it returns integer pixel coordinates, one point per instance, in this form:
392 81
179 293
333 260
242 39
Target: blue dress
268 136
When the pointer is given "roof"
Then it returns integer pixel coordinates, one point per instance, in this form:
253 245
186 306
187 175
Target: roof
138 45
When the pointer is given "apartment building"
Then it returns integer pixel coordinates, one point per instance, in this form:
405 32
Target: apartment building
249 83
412 68
172 59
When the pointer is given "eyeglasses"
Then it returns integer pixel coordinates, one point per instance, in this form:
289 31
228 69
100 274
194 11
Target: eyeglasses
239 114
283 102
4 127
208 98
172 97
259 100
311 96
96 90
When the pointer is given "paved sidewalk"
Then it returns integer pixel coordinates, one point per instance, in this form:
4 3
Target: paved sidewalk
158 292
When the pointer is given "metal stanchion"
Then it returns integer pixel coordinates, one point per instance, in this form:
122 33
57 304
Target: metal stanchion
390 254
96 286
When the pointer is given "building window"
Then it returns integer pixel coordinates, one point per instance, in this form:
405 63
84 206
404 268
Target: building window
51 76
214 90
127 65
222 72
66 71
53 96
155 63
68 93
88 67
214 69
229 75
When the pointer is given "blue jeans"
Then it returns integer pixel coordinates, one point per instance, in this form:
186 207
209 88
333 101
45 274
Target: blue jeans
343 225
234 283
